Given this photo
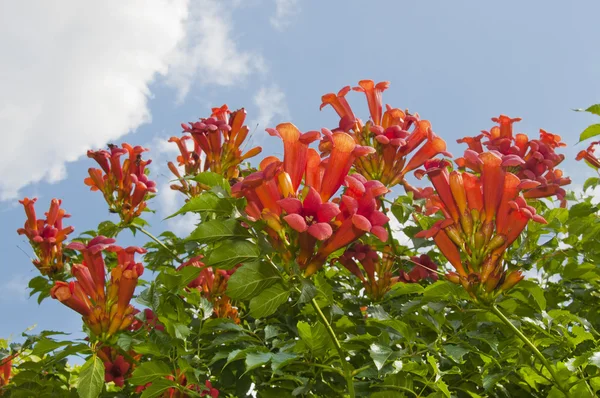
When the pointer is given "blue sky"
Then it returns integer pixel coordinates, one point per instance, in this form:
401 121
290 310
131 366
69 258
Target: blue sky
116 73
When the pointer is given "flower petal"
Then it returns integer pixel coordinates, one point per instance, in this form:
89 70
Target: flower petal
296 221
361 222
290 205
327 211
320 230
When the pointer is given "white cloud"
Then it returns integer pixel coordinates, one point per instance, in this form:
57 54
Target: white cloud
16 287
77 75
284 11
209 54
272 107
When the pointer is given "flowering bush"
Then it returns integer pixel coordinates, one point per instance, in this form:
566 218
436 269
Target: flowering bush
294 283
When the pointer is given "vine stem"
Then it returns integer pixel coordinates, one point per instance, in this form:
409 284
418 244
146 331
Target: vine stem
338 347
533 348
154 238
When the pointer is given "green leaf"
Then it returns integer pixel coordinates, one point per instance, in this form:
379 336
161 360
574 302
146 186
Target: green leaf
595 109
380 354
206 202
231 253
315 337
444 290
267 302
251 279
590 132
91 378
148 372
212 180
257 359
456 352
535 291
324 291
591 182
216 230
45 345
401 289
281 359
108 229
307 292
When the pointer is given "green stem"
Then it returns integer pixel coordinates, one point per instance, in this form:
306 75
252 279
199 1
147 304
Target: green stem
338 347
533 348
154 238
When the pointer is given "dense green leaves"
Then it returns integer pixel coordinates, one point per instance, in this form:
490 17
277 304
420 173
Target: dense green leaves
315 337
269 300
215 230
251 279
231 253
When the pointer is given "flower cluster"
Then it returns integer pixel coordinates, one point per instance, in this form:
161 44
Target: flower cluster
218 140
394 134
274 196
117 368
103 305
212 285
126 186
46 236
483 216
589 156
534 160
376 272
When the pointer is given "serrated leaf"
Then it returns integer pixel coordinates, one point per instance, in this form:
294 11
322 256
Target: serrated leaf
589 132
281 359
216 230
251 279
591 182
380 354
315 337
206 202
212 179
401 289
307 292
267 302
91 378
148 372
231 253
444 290
257 359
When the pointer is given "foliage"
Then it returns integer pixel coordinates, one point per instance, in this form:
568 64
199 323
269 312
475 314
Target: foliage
292 283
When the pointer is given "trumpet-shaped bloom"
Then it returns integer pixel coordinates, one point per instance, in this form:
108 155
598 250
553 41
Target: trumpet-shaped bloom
589 155
393 133
490 215
124 184
311 216
104 305
219 138
534 160
295 150
46 236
